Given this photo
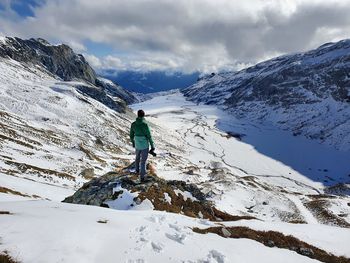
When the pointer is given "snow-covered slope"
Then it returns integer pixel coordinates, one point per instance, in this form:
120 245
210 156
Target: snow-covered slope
59 124
50 132
262 174
231 173
53 137
57 133
61 232
64 64
305 93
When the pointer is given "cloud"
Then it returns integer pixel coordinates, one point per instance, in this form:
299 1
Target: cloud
186 35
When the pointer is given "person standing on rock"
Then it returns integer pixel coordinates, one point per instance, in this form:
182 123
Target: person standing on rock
141 138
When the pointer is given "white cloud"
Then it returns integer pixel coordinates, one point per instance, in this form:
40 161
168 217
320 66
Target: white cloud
188 35
76 46
94 61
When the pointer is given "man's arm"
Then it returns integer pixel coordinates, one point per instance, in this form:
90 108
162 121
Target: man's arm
132 135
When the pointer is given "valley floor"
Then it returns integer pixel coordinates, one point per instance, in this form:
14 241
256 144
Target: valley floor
248 167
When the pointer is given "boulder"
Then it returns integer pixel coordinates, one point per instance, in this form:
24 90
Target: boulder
171 196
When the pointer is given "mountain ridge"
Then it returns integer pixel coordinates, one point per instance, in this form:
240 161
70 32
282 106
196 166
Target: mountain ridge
64 63
306 93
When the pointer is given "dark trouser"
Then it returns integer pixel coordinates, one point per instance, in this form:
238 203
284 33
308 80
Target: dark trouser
140 162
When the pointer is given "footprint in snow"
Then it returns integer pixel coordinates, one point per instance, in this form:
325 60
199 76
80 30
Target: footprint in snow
136 260
141 229
176 237
204 222
216 255
142 239
213 257
157 247
175 227
156 219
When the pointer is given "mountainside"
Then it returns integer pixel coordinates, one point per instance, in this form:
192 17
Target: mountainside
305 93
63 63
59 60
60 125
218 184
152 81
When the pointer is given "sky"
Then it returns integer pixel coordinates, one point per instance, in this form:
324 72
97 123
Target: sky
182 35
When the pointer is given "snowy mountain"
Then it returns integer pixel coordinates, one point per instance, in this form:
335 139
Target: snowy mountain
60 60
63 63
60 124
305 93
216 192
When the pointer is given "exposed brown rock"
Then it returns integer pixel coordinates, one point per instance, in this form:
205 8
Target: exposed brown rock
275 239
100 190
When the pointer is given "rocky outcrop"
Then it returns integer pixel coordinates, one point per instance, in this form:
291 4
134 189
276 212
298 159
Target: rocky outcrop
115 90
275 239
171 196
60 60
99 94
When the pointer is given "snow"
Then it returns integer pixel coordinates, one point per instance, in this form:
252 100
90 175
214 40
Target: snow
46 121
2 39
263 151
274 158
167 198
125 201
268 173
108 81
307 215
31 187
185 194
50 231
70 233
327 56
330 238
318 110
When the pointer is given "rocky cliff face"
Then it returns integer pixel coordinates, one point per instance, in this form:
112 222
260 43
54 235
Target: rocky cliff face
61 61
307 93
115 90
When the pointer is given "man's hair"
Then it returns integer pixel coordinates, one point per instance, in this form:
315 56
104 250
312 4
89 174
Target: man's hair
140 113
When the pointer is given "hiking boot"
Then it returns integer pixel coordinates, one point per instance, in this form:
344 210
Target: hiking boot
143 179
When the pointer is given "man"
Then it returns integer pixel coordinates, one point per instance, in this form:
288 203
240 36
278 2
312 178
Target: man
141 139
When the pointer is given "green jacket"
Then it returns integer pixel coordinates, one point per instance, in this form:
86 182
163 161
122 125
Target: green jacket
140 134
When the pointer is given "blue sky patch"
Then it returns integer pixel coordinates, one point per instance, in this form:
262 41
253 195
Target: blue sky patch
24 8
101 49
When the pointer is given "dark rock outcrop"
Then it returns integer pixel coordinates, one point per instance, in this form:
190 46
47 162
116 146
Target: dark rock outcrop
99 94
170 196
60 60
115 90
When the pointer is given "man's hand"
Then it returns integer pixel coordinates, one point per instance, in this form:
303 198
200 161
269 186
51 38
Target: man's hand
152 152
